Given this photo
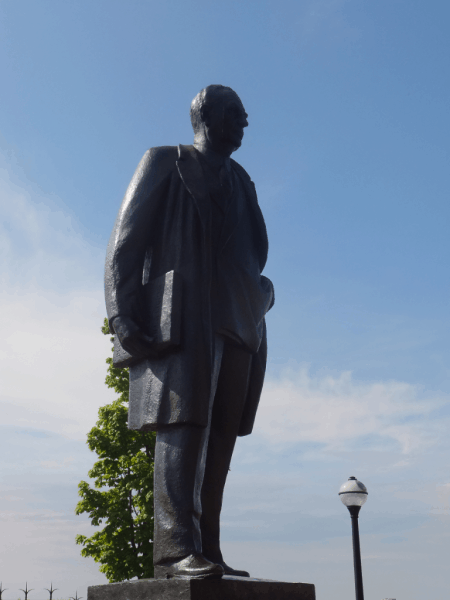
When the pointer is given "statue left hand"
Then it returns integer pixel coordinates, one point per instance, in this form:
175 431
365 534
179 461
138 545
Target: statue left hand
132 338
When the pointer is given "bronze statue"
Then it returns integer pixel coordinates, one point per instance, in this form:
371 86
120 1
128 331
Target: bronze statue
186 300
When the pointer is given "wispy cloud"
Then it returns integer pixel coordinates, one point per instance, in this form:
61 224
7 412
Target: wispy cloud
52 362
52 369
337 411
39 547
41 243
51 308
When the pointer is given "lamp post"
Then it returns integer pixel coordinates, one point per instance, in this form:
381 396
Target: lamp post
353 494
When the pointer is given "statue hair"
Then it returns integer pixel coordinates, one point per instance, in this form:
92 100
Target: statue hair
205 97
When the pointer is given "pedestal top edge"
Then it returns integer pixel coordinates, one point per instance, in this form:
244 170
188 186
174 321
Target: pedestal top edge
225 578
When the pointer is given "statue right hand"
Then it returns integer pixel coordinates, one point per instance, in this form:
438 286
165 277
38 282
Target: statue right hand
132 338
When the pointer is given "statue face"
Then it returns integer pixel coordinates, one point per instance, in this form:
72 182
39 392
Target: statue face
224 123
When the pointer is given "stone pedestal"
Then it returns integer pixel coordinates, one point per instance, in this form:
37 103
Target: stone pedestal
227 588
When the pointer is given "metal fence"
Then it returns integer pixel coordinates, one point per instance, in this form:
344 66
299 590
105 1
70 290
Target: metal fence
26 591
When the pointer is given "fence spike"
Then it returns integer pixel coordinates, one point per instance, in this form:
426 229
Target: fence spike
50 591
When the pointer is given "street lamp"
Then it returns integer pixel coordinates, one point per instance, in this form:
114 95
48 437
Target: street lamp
353 494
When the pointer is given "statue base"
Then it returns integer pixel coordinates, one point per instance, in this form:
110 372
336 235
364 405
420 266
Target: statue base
227 588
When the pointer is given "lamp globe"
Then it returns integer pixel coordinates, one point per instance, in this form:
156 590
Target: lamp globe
353 493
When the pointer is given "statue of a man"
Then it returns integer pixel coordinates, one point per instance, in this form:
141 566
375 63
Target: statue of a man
190 216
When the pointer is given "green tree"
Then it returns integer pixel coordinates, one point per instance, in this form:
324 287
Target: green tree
122 496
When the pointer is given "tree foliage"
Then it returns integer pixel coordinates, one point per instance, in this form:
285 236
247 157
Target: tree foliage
122 496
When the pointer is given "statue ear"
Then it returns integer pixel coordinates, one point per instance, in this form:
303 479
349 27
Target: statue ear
205 115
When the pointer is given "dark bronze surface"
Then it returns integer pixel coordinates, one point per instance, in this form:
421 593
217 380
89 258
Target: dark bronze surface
193 212
227 588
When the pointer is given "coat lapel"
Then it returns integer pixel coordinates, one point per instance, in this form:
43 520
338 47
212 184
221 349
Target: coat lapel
192 176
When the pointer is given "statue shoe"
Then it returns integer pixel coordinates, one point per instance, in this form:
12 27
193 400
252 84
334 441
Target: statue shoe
194 566
233 572
218 560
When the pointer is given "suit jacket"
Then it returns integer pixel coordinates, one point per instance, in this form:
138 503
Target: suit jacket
165 214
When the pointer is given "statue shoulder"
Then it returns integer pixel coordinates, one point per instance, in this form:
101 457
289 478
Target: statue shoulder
156 164
161 157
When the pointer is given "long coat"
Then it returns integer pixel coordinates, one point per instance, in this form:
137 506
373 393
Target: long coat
164 224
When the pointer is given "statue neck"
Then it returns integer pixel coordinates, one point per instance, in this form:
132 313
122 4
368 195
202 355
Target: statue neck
213 158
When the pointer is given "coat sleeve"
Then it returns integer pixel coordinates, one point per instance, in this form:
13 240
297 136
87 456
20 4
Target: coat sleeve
132 232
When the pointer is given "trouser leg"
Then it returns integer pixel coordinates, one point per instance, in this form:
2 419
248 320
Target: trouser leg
180 457
178 472
225 420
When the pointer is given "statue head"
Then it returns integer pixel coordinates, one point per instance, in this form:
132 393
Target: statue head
218 118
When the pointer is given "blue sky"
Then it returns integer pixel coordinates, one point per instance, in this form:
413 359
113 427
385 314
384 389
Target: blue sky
348 147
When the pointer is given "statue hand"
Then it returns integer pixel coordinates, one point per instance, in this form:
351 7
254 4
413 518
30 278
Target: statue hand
268 287
132 338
